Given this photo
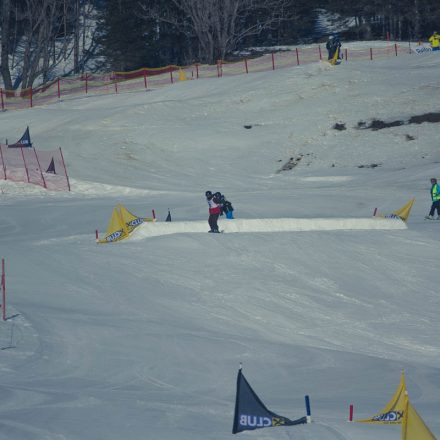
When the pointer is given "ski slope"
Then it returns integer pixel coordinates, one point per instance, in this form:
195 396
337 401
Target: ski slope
142 339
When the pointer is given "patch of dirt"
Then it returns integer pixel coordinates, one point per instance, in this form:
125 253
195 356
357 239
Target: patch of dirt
372 165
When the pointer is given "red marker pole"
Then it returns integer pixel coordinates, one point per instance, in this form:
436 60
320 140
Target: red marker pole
97 235
375 212
246 65
371 53
297 56
154 214
273 61
320 53
350 417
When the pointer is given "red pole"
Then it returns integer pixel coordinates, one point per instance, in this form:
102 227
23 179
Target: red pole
320 53
171 75
65 170
25 167
350 417
145 78
87 88
395 48
31 96
371 53
3 162
273 61
39 166
154 214
297 56
59 94
97 236
3 290
375 211
1 94
197 71
346 54
246 65
218 69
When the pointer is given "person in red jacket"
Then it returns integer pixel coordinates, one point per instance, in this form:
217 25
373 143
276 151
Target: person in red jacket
214 210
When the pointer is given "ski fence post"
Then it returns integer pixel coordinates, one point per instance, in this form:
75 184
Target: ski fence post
3 162
395 48
1 95
297 56
350 416
145 78
308 412
154 214
273 61
197 70
65 169
246 65
171 75
320 53
346 54
58 84
3 282
25 166
39 166
371 53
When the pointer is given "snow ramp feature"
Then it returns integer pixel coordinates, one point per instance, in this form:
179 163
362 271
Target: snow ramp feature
270 225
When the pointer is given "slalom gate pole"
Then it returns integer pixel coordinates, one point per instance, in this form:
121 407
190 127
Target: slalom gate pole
273 61
39 166
308 412
3 282
58 83
1 95
154 214
96 235
25 166
350 416
65 170
375 212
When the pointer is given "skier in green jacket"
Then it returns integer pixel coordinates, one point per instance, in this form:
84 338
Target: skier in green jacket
435 196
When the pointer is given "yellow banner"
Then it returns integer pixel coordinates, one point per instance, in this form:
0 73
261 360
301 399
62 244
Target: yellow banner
394 411
405 210
414 427
116 229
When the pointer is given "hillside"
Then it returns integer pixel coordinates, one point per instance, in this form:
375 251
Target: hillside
143 338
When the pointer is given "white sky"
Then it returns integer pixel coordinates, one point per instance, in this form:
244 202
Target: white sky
142 339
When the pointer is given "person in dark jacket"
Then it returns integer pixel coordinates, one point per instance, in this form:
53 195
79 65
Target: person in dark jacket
214 210
435 197
333 45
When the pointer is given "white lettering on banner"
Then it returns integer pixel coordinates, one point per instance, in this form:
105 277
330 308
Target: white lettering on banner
423 49
135 222
392 416
255 421
114 236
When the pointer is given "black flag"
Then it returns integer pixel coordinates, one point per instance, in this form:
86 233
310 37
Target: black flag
51 168
168 219
24 141
250 412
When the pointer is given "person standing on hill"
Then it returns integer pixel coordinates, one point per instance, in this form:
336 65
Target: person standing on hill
434 39
435 196
214 210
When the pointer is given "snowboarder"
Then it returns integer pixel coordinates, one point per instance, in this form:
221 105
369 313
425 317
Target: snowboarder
227 208
334 48
214 210
434 39
435 196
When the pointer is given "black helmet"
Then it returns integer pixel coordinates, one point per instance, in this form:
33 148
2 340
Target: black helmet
208 193
217 194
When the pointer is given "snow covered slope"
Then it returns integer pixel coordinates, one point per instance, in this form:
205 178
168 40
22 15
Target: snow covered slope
142 339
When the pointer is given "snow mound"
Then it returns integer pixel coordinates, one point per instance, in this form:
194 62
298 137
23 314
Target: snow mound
270 225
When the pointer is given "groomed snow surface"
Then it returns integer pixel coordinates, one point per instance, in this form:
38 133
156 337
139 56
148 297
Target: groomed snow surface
142 339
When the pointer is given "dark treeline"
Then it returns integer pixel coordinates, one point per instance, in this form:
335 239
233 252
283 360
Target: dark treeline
38 35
